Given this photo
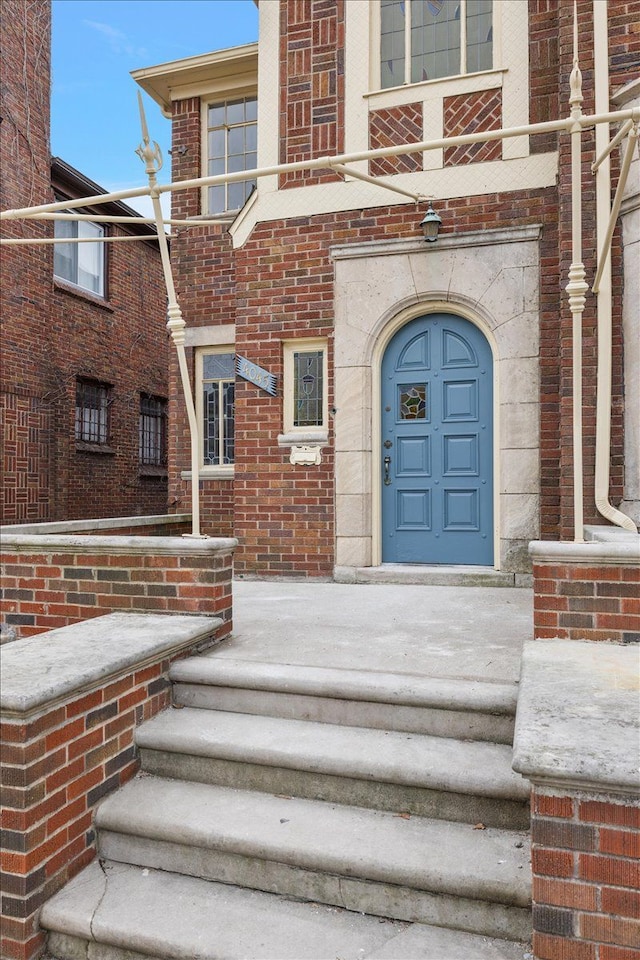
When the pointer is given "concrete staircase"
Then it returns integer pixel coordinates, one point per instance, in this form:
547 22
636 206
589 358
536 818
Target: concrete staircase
295 811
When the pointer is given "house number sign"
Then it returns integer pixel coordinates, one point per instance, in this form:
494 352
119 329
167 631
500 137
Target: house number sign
255 374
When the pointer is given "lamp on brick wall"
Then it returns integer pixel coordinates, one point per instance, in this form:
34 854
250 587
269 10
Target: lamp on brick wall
430 225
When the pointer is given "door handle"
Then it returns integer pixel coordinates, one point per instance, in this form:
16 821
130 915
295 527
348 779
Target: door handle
387 478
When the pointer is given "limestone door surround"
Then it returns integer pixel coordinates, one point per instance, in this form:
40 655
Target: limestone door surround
491 278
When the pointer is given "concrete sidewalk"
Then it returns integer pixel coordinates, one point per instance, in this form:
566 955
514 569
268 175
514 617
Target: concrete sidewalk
470 632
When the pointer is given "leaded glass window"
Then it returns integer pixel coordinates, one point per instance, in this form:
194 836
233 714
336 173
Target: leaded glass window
232 144
308 388
218 396
413 402
428 39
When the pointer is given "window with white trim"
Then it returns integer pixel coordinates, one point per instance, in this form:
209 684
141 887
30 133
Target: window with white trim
428 39
232 144
92 412
305 387
153 431
83 263
216 375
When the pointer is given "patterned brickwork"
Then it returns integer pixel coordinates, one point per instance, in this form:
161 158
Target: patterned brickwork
56 768
388 128
580 602
472 113
48 589
586 876
544 93
311 85
25 435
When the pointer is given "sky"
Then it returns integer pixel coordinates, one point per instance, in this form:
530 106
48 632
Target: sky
95 124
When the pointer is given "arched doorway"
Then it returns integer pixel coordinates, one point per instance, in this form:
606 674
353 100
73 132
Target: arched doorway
437 443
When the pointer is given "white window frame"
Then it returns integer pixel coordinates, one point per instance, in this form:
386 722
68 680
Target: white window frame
376 20
297 434
209 470
82 229
217 96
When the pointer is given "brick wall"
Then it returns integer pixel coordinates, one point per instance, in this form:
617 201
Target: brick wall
54 581
586 591
388 128
470 113
25 32
311 85
53 333
56 767
586 876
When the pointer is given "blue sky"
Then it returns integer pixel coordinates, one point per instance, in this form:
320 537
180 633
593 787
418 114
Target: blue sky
95 123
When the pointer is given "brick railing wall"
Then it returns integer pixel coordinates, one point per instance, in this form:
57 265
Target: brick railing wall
163 525
51 581
61 759
586 876
576 740
587 591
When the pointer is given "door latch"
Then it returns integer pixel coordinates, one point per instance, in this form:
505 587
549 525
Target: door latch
387 478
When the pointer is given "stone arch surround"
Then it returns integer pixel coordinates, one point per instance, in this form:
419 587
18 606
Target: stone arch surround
489 277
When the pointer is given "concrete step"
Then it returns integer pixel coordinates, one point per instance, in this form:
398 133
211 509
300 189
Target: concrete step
440 707
385 770
120 912
384 864
452 575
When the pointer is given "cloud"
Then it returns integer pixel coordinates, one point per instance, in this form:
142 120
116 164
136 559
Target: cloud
119 42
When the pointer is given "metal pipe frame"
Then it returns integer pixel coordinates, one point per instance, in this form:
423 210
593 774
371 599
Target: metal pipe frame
321 163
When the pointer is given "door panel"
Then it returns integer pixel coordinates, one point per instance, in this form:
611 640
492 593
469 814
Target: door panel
437 434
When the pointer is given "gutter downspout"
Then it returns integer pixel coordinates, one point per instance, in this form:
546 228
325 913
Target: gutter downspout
603 286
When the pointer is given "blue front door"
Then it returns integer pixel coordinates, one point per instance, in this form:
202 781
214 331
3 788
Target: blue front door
437 443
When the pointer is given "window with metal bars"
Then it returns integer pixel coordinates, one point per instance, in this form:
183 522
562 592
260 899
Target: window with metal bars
153 431
92 411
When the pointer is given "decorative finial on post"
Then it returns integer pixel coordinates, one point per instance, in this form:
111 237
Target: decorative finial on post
575 80
150 155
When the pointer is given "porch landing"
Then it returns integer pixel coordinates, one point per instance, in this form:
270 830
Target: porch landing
474 633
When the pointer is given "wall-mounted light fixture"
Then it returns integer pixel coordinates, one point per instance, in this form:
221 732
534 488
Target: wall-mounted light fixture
430 225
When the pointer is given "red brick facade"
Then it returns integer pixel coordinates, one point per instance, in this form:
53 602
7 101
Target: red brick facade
278 283
54 332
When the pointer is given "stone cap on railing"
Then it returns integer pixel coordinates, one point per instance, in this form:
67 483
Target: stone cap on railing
577 722
84 543
616 552
40 671
106 523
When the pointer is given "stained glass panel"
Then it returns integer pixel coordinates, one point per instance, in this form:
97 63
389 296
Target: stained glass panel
413 402
308 389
